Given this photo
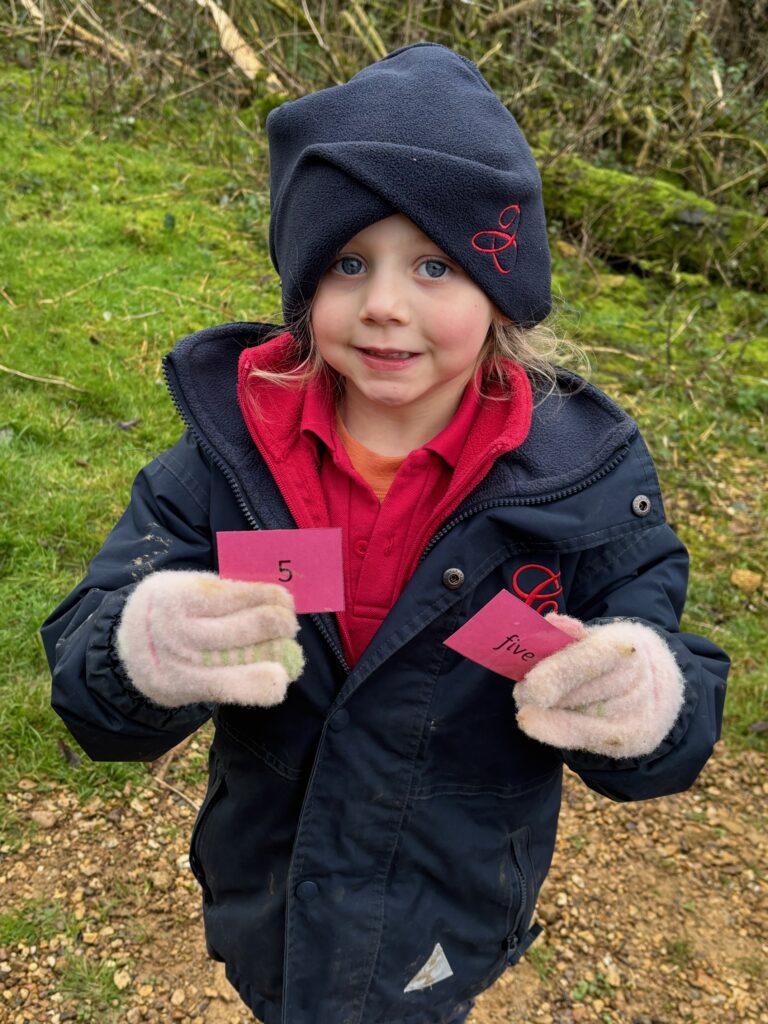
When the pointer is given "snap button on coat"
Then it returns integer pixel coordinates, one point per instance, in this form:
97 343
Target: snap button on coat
307 891
641 505
340 720
453 578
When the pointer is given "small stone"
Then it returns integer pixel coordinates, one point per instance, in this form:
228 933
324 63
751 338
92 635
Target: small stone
704 981
178 996
45 819
223 988
121 978
90 938
612 976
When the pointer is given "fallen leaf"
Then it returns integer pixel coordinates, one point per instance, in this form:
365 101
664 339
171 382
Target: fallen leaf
746 580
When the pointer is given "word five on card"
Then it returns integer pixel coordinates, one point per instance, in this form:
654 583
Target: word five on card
507 636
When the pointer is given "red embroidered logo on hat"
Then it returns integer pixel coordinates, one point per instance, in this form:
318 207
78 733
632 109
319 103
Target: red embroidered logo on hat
504 241
544 592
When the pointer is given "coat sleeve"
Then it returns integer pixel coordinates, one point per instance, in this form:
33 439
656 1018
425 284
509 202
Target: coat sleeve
166 526
645 579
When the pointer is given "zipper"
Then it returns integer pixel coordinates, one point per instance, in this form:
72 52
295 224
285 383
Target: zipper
539 499
523 894
188 419
515 944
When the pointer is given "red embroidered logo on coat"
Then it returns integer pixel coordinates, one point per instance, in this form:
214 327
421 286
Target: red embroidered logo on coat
543 592
505 241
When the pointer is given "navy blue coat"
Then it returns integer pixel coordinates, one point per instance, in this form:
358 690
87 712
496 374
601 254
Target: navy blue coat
382 811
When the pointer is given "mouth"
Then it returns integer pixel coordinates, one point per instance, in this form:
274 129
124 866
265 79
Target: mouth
387 353
387 359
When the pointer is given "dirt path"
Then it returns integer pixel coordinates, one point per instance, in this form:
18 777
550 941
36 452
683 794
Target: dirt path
654 913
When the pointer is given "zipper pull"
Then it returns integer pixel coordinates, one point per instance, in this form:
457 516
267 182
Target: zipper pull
517 948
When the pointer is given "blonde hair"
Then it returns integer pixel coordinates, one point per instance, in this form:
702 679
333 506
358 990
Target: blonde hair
537 349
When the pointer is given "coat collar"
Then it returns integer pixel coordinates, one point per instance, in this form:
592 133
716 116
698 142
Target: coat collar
574 432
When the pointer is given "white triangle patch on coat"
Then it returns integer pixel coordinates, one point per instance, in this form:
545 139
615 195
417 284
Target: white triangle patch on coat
435 969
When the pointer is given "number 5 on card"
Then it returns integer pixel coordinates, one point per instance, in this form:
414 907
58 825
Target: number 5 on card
306 562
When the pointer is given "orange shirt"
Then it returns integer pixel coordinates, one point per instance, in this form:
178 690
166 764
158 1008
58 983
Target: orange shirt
377 470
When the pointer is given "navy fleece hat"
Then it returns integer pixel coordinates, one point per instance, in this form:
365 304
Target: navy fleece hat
421 133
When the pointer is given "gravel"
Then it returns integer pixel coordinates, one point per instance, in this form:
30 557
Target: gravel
653 913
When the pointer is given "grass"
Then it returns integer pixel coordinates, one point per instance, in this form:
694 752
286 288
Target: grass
595 985
35 921
540 957
118 240
111 249
680 951
91 984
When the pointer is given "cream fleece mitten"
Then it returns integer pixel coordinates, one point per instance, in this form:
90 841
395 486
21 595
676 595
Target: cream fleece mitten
186 637
618 691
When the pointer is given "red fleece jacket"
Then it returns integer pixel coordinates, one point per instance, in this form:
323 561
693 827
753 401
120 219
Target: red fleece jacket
294 429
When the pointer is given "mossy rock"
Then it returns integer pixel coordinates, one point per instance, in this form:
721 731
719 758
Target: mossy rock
649 222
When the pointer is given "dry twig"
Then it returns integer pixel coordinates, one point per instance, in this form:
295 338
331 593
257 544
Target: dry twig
162 764
500 19
86 284
235 47
39 380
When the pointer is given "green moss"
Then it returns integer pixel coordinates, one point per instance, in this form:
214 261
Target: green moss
655 222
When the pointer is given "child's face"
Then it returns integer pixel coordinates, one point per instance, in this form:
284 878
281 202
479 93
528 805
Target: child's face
392 290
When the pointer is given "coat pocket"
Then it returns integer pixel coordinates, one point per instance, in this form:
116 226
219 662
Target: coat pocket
197 845
522 893
458 907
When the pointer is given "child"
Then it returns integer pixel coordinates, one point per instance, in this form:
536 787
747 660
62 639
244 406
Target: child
381 812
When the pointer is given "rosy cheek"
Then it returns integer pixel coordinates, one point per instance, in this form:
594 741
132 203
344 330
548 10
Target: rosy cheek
461 330
329 315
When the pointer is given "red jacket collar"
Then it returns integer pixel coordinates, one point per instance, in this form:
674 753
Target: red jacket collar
283 416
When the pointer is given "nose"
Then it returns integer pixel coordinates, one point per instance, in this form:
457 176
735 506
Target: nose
385 298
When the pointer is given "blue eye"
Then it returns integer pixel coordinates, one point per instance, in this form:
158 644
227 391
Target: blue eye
435 268
349 266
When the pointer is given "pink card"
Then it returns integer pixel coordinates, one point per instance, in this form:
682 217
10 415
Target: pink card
507 636
306 562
